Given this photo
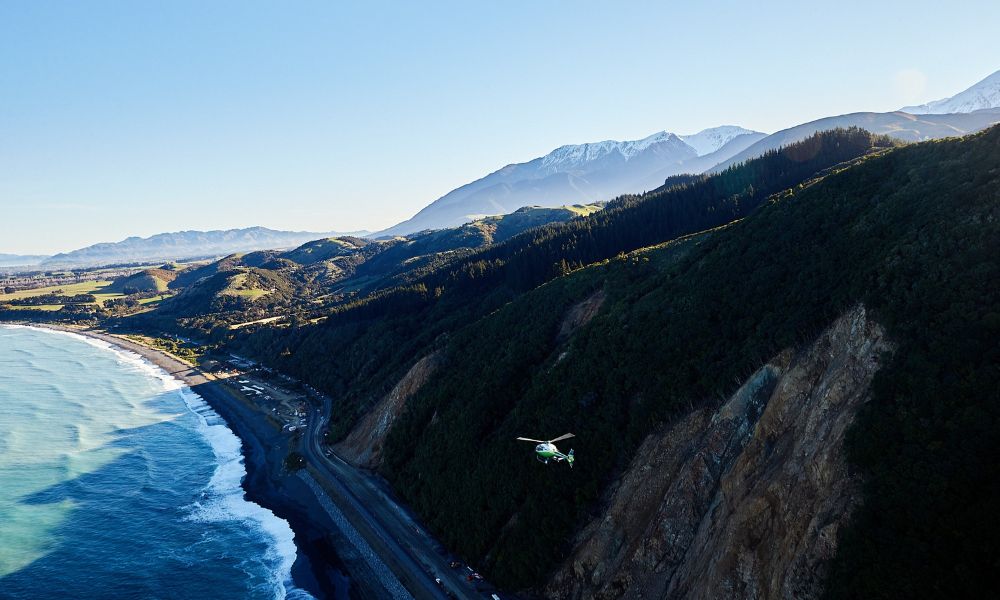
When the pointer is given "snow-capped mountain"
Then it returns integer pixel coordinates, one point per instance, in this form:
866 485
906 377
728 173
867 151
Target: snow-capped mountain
581 174
985 94
708 141
572 157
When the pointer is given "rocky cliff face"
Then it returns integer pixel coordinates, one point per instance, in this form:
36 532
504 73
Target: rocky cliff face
580 314
743 501
363 446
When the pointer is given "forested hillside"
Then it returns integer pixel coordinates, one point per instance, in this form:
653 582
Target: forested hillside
912 234
365 345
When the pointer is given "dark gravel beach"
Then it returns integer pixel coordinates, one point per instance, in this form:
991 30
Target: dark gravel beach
317 568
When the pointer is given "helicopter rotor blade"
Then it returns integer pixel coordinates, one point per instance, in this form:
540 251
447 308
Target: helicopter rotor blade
531 440
562 437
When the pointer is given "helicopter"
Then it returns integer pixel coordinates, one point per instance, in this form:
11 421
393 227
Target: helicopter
547 450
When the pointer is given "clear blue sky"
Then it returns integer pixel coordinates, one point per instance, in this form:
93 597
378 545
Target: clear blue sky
133 118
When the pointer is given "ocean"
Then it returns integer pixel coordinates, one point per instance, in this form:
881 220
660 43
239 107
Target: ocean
118 481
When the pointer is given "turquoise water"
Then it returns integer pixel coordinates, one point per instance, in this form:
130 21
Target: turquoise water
116 481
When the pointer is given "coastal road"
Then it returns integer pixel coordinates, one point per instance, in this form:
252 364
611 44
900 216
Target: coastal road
410 553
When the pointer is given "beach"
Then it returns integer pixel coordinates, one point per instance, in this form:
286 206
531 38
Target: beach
317 568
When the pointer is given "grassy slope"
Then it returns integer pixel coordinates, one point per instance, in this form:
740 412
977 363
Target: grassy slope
85 287
244 286
913 234
100 289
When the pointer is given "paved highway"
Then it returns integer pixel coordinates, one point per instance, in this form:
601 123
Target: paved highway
403 545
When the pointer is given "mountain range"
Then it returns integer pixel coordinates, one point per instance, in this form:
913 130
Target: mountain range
185 244
581 174
597 171
985 94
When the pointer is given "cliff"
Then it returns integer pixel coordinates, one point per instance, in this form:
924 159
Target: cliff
743 501
363 445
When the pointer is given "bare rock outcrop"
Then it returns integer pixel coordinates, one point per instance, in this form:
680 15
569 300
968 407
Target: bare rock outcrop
363 445
581 313
740 502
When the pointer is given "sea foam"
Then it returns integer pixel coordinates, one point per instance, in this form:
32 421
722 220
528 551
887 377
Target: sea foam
225 501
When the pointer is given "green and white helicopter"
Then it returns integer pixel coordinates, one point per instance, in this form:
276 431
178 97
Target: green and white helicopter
546 451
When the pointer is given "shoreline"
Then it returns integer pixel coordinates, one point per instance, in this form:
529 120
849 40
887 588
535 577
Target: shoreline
317 568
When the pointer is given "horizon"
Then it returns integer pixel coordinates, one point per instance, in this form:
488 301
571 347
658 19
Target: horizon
139 120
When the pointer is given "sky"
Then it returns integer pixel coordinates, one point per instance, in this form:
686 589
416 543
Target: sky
134 118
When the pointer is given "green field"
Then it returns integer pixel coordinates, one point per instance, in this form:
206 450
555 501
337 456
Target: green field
84 287
45 307
71 289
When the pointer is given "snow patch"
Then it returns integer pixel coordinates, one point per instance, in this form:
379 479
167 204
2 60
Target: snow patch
709 140
570 155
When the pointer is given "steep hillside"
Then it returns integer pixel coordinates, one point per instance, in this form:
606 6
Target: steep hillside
363 446
740 501
911 235
899 125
